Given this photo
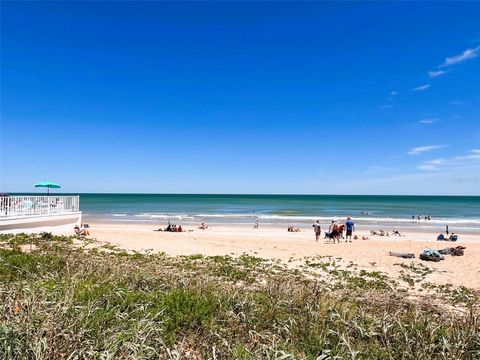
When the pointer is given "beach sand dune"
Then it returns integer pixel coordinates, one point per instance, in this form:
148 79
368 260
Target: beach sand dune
277 243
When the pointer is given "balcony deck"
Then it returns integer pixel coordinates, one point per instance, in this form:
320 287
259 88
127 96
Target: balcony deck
58 214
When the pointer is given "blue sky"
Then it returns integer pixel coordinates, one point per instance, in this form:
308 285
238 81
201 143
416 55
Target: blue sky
363 98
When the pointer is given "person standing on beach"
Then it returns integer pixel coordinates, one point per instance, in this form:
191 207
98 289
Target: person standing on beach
317 229
350 229
334 233
256 224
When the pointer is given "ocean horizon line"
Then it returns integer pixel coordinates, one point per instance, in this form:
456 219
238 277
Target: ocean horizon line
236 194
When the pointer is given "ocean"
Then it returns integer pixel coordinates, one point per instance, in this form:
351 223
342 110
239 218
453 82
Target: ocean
461 213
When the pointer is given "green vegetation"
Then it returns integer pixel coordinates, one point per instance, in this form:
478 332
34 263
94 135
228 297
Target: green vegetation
69 298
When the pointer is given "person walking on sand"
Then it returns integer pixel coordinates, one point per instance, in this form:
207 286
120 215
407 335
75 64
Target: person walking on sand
350 229
317 230
256 224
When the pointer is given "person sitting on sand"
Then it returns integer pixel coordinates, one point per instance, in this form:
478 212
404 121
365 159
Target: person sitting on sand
379 232
180 229
453 237
203 226
81 231
396 233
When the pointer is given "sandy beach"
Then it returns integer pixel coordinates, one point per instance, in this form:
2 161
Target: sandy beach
295 248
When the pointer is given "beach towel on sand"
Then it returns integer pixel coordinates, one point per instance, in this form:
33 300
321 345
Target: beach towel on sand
405 255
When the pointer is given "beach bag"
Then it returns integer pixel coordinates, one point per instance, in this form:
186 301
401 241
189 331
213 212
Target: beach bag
426 257
431 255
458 251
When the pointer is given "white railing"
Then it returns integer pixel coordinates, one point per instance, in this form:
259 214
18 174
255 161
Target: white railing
15 206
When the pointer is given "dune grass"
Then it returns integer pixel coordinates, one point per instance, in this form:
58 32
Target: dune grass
62 297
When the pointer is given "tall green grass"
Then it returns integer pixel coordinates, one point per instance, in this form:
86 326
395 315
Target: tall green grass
65 298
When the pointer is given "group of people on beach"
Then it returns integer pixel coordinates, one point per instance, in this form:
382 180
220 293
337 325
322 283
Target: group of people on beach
335 231
174 228
293 229
419 217
452 237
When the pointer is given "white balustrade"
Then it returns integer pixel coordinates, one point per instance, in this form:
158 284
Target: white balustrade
17 206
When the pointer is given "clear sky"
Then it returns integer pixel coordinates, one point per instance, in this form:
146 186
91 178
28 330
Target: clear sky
342 98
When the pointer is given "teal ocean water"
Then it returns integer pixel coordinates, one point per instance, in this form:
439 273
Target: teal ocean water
460 212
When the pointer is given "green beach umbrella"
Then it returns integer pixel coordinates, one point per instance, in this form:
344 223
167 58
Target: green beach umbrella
49 185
